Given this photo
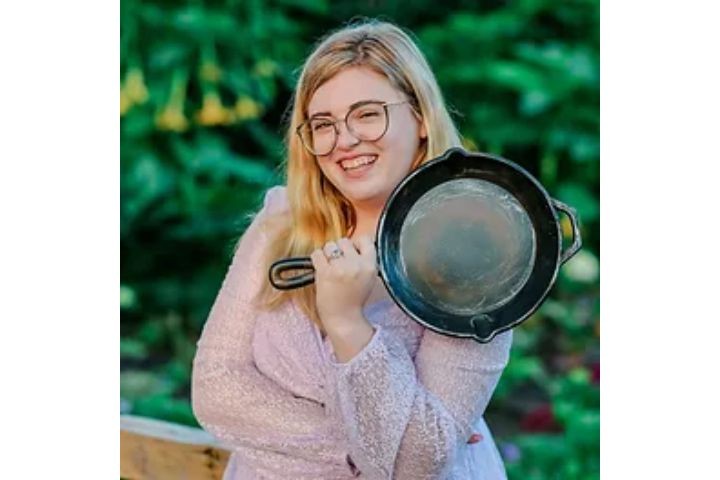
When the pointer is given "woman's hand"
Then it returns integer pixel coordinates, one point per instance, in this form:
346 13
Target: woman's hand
475 438
345 274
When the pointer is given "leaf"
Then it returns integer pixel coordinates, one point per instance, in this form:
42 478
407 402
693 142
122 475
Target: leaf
151 332
310 6
554 309
168 54
144 179
577 65
583 428
212 157
135 384
579 197
137 123
525 368
535 102
583 267
128 297
584 148
133 348
515 75
164 407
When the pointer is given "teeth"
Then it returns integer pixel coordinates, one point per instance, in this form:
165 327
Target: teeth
357 162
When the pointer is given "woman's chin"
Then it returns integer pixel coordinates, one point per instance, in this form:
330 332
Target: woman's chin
367 195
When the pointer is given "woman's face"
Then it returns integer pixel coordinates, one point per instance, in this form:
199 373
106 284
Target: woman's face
390 157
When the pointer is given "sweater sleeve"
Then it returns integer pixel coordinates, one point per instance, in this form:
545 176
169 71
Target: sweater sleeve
231 398
407 419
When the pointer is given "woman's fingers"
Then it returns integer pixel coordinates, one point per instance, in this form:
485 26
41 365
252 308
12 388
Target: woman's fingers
345 278
319 260
347 248
332 251
341 259
366 248
351 256
475 438
365 245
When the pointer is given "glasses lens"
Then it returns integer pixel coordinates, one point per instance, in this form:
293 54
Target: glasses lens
368 122
318 135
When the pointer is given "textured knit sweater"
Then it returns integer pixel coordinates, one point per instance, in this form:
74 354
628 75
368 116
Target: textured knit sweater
268 386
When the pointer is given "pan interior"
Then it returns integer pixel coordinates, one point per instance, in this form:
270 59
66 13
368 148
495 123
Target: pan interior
467 246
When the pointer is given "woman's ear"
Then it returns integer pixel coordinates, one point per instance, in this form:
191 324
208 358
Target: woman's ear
423 130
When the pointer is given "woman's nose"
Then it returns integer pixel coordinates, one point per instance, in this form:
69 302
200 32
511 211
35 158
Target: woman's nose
345 137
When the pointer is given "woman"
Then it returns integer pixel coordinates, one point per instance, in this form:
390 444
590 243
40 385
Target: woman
334 381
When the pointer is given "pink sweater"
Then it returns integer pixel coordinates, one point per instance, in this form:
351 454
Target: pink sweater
269 387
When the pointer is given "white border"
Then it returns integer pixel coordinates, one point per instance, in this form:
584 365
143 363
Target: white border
59 240
659 243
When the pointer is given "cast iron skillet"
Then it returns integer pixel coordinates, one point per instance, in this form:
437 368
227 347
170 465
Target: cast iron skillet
457 164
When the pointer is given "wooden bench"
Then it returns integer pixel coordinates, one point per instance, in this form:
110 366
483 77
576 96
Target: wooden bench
158 450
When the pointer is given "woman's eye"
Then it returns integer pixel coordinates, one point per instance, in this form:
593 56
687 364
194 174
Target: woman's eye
368 114
320 126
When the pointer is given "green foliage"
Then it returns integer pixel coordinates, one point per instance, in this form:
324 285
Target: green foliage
204 89
572 454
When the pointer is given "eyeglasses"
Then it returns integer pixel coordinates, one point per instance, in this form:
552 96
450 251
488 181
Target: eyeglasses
367 121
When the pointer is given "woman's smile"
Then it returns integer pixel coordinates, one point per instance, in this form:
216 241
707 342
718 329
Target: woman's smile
356 166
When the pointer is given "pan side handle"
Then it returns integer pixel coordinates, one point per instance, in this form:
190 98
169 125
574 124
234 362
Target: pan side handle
577 239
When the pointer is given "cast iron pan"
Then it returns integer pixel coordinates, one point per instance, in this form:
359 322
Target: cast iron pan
468 245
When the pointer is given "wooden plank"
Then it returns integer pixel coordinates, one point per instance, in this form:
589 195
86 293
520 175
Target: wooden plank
152 449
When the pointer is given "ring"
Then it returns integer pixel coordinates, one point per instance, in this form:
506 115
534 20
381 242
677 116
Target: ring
336 253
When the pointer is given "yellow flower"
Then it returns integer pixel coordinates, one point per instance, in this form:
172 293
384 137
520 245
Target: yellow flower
469 145
135 88
171 118
125 102
210 72
213 112
247 108
265 68
567 229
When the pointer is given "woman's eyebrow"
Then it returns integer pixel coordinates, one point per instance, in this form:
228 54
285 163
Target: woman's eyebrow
359 102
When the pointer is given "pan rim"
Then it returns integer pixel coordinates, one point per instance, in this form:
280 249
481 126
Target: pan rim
546 263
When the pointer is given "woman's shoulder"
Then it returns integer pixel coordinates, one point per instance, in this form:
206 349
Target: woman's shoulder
272 214
275 200
265 222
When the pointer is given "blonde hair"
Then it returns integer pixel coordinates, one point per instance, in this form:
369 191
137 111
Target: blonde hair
318 211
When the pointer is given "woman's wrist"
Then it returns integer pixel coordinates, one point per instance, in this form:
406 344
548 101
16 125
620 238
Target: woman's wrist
349 334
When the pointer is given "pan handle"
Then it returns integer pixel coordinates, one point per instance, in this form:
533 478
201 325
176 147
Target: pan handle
577 240
293 263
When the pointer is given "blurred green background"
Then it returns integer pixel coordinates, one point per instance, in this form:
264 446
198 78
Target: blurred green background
204 87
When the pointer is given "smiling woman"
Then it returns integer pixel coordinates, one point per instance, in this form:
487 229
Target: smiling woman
375 147
333 380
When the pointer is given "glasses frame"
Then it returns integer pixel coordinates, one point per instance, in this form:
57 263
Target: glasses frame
335 122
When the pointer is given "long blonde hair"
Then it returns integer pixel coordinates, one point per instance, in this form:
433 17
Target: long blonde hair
318 211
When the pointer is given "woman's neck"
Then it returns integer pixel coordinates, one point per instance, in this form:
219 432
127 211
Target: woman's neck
366 221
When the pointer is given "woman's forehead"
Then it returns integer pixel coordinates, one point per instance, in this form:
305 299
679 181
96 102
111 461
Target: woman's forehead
350 86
